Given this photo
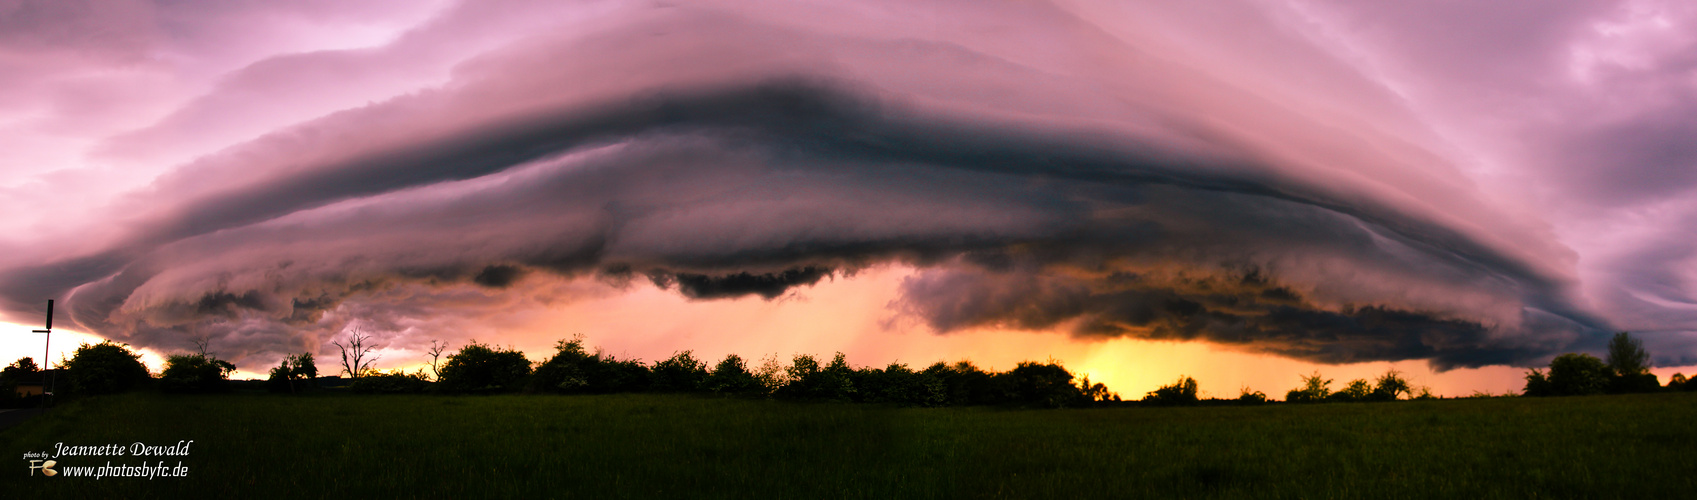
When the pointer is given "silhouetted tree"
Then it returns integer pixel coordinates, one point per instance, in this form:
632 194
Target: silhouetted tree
898 384
836 380
1538 384
1679 383
567 371
1046 385
1314 389
1574 374
772 373
105 368
574 370
1357 390
964 383
1627 355
195 373
1097 392
680 373
1181 392
19 369
295 373
12 376
1390 387
354 353
1247 396
801 378
1630 365
609 374
480 368
437 348
731 376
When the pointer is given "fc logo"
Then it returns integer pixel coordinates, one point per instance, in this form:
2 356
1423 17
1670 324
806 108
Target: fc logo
46 467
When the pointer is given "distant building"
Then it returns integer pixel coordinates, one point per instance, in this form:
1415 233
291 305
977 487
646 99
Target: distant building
34 384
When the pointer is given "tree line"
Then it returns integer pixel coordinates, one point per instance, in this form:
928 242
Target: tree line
573 369
478 368
1627 370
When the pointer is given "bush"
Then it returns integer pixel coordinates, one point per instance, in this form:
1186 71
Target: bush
1538 385
296 373
392 382
1247 396
1181 392
900 385
1314 389
964 384
105 368
195 373
1390 387
1574 374
1358 390
11 376
20 369
680 373
573 370
1044 385
1097 392
807 380
1678 383
1634 383
480 368
731 376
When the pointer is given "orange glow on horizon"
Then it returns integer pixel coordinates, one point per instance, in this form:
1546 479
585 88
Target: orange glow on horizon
852 315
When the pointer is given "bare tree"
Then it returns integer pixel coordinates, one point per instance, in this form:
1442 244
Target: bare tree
436 349
354 353
201 342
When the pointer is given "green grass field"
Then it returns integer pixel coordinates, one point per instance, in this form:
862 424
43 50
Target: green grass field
344 446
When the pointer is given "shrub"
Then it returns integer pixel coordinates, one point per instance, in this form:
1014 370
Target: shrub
1357 390
296 373
731 376
1538 384
105 368
1044 385
1181 392
1247 396
1314 389
898 384
574 370
480 368
195 373
18 370
392 382
1390 387
680 373
964 383
11 376
1097 392
1574 374
805 379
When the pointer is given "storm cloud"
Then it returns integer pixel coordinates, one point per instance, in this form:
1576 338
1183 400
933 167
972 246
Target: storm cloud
1040 167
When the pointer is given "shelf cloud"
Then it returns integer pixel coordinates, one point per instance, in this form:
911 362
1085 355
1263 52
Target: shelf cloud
1040 166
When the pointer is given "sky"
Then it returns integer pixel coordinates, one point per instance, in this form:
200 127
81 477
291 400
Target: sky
1240 191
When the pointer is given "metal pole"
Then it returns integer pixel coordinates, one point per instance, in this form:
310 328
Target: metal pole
46 350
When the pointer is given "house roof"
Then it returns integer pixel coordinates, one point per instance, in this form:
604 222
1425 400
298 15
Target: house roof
38 377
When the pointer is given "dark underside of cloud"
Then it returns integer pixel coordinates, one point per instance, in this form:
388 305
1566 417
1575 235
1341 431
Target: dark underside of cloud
755 187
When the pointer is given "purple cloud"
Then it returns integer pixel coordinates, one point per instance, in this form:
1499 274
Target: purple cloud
1044 166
